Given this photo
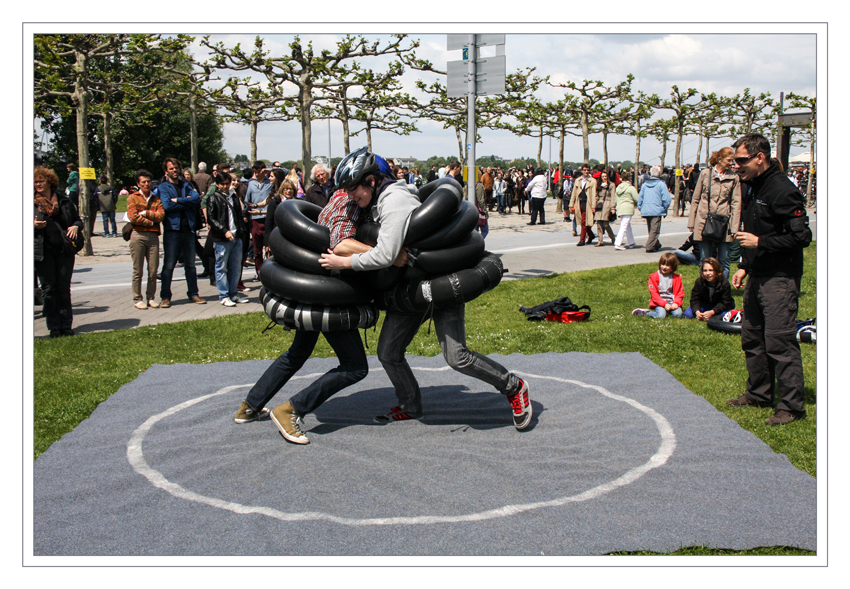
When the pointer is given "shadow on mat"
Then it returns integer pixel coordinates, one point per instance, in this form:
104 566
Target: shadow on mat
442 405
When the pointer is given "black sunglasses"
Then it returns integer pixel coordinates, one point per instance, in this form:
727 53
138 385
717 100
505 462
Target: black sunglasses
743 160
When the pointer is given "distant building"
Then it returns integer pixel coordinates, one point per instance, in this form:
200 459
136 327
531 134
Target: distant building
405 161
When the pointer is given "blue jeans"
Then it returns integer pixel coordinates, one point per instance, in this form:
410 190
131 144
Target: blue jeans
108 216
689 312
352 368
484 230
174 243
661 313
706 249
687 258
228 265
399 330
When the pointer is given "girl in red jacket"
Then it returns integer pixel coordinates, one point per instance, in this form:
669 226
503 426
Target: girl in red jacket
665 290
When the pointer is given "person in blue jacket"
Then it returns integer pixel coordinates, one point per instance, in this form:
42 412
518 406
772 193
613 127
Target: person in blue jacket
181 203
653 201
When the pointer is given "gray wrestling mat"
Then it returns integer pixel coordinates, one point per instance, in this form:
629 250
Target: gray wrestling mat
620 456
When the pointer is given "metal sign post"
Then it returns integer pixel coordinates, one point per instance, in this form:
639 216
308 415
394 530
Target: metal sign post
473 76
470 125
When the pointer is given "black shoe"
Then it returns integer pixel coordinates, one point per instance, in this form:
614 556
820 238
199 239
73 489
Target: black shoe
581 243
531 223
204 274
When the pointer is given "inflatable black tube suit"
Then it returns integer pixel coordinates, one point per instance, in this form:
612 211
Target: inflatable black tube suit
450 265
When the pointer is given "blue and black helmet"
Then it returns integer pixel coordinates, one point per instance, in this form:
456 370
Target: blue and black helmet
357 165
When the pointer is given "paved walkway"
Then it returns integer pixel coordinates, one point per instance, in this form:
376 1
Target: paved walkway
106 303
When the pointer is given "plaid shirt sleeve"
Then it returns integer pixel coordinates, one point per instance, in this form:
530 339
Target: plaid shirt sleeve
342 216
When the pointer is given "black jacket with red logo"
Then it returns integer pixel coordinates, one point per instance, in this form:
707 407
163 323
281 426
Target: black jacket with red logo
775 211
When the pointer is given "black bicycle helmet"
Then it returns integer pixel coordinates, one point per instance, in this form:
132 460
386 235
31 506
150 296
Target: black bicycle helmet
357 165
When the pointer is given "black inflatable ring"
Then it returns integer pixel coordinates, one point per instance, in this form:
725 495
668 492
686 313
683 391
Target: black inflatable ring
433 214
368 233
304 317
717 324
462 223
295 257
460 256
447 181
297 220
445 291
314 289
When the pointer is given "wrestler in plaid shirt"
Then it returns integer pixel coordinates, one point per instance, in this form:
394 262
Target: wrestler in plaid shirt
342 216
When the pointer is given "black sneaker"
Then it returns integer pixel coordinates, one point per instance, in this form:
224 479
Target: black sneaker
396 414
521 406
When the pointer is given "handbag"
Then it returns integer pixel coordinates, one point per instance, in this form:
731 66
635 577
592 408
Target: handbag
72 246
612 216
716 226
482 218
127 231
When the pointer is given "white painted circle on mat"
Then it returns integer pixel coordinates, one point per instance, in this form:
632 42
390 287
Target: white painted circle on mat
668 444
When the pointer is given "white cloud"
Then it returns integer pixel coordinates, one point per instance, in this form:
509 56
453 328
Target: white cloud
721 63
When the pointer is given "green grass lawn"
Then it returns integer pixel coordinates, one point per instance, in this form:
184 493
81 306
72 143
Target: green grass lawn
74 375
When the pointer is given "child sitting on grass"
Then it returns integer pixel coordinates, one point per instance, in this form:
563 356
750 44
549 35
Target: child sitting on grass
711 294
665 290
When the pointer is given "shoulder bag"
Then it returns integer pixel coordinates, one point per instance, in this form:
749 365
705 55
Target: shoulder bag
716 226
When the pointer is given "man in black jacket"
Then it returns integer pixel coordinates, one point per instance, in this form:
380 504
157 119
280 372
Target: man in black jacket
775 229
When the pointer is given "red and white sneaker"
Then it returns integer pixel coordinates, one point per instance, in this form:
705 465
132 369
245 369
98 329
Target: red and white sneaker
521 406
396 414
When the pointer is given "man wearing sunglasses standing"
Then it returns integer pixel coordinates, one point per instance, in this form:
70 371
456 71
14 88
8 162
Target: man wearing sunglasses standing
775 229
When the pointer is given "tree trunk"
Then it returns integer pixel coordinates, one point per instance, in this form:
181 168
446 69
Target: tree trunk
605 146
107 147
585 139
345 130
306 100
559 207
561 160
676 164
699 147
253 141
193 132
540 148
81 98
460 156
369 136
811 161
637 154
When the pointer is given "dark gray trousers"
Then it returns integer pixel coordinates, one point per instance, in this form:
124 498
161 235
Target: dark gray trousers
769 341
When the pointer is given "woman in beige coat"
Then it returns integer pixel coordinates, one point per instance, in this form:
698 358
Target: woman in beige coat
725 199
604 205
582 207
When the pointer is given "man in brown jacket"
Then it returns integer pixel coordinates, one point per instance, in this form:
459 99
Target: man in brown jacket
145 212
487 181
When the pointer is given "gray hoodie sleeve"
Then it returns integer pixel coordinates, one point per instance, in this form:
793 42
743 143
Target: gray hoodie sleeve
393 213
